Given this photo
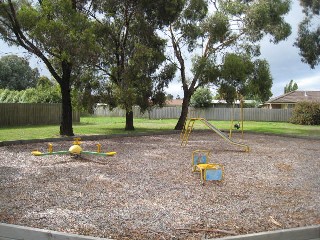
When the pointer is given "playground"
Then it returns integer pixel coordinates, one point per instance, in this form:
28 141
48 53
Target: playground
148 190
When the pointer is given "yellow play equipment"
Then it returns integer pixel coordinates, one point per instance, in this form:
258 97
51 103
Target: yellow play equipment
208 171
237 125
199 157
187 129
75 150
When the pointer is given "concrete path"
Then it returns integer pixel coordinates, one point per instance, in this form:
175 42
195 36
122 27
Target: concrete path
303 233
15 232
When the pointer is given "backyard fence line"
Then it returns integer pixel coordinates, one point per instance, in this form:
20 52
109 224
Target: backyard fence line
15 114
223 114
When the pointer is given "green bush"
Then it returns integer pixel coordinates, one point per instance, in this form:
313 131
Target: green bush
306 113
201 98
50 94
3 94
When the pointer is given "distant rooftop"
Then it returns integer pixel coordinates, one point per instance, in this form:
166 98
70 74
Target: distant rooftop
174 102
296 96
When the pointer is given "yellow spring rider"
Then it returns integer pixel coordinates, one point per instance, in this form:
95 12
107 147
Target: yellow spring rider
75 150
208 171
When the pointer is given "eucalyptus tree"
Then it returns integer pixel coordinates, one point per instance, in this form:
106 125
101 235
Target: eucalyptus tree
57 32
132 57
291 86
241 77
207 31
308 40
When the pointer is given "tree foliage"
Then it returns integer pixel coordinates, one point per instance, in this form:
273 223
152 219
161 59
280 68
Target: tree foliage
16 73
209 38
255 83
308 40
169 97
202 98
132 58
57 32
39 94
291 86
244 78
86 91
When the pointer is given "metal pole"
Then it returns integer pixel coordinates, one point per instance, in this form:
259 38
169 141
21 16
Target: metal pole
241 103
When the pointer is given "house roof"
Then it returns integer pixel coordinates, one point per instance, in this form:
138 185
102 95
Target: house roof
297 96
174 102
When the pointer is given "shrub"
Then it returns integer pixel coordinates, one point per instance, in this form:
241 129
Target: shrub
201 98
4 94
40 94
306 113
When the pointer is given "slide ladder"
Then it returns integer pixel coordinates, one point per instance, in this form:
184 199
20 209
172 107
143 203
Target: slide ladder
188 128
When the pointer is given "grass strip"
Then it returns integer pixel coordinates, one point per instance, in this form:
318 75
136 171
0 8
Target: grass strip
115 125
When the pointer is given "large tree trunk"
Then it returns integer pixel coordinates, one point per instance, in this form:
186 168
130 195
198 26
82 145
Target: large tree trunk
184 113
129 120
66 120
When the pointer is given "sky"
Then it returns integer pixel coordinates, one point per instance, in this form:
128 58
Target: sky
284 60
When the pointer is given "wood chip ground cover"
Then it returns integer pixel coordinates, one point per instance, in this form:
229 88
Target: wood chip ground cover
148 191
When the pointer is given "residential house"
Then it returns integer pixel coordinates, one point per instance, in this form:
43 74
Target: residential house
289 100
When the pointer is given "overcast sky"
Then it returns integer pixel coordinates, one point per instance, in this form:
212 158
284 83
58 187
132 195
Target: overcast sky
285 62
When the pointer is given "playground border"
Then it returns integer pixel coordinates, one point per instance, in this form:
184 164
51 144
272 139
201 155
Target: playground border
16 232
300 233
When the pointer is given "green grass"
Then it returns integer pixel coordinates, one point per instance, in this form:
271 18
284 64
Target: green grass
115 125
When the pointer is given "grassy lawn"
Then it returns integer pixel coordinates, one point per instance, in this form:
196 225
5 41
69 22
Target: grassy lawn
115 125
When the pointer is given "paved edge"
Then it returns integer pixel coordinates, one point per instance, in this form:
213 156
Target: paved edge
16 232
301 233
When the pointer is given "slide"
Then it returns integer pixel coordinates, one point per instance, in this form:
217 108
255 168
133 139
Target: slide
221 134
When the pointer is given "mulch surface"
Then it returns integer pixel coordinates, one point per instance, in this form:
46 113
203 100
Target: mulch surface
148 191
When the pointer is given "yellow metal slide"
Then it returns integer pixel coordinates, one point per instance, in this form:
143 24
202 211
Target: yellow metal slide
188 128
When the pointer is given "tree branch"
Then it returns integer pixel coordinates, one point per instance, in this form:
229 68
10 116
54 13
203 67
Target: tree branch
22 40
178 54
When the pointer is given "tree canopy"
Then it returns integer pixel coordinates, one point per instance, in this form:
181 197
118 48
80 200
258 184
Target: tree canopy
291 86
58 33
213 42
308 40
16 73
132 57
208 38
240 77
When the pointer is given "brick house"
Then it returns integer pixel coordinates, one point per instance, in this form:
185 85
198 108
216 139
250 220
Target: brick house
289 100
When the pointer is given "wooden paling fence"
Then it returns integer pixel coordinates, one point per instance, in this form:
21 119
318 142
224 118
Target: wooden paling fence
223 114
14 114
